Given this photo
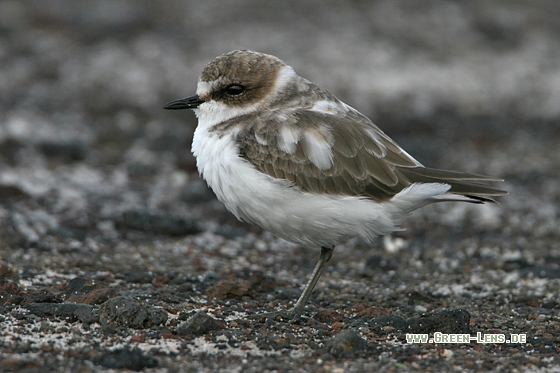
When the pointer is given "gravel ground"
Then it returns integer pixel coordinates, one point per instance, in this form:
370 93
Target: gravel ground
115 256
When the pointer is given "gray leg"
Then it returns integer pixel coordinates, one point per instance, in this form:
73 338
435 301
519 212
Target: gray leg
326 255
295 313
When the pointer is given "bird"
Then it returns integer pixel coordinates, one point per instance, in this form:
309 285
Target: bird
282 153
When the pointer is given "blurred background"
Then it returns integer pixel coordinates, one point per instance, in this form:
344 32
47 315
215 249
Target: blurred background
468 85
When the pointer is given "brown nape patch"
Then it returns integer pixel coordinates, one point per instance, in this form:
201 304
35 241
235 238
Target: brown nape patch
255 71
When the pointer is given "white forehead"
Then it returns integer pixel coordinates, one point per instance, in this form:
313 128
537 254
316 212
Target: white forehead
204 88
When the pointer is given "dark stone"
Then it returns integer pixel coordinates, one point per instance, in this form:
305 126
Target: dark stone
230 232
157 222
81 290
9 149
12 193
528 310
515 264
346 343
451 321
131 313
541 271
286 293
69 231
40 296
273 342
199 324
8 287
126 358
139 276
542 341
71 311
395 321
9 364
240 283
378 263
229 289
71 151
327 316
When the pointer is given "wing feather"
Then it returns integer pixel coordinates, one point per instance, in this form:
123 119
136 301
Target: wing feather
353 167
343 152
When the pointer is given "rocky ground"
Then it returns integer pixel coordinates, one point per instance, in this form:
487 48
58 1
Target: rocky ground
115 256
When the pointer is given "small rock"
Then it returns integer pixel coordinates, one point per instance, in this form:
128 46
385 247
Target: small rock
240 283
10 292
229 232
273 342
328 316
541 271
83 312
347 342
200 324
394 321
40 296
451 321
376 264
67 151
285 293
337 325
8 364
229 289
81 290
126 358
128 312
139 276
157 222
11 193
515 264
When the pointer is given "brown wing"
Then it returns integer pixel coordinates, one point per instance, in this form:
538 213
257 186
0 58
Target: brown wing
345 153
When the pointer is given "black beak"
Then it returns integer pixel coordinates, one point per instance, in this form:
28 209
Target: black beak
191 102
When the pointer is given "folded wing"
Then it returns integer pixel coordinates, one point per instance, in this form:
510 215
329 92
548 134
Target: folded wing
340 151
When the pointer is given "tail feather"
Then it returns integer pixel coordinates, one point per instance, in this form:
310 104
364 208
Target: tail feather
447 175
462 184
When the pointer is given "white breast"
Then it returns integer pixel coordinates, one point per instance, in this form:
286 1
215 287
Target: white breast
304 218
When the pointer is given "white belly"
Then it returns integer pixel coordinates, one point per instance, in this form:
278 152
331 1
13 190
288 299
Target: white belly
299 217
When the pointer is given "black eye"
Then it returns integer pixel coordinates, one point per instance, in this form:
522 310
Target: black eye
235 89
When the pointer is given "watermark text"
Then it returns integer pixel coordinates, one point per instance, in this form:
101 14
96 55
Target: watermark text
465 338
